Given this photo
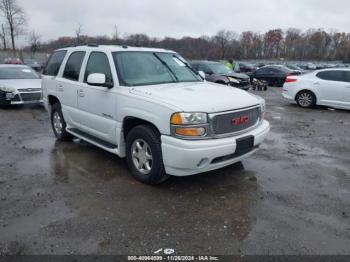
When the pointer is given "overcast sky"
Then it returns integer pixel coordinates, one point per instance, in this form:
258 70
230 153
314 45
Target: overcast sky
177 18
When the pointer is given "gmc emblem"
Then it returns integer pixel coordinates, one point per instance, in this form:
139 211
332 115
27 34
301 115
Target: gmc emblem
240 120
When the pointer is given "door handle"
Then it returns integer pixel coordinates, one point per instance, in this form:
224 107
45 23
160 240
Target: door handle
347 86
60 88
316 83
81 93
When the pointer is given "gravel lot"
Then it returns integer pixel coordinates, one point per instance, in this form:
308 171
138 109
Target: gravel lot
292 197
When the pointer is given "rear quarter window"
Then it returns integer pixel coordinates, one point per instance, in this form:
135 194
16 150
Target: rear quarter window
54 63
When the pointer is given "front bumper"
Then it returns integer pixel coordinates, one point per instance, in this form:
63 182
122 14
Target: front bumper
288 97
18 98
190 157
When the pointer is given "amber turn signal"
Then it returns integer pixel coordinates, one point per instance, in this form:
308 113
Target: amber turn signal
190 131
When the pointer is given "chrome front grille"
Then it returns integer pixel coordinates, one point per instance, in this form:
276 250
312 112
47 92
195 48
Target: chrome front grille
29 97
236 121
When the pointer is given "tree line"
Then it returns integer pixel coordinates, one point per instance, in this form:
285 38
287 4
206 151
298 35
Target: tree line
290 44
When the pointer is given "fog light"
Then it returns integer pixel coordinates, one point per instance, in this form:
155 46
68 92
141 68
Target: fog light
10 95
190 131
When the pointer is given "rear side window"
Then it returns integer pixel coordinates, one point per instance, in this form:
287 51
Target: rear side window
347 76
73 66
54 63
334 75
98 63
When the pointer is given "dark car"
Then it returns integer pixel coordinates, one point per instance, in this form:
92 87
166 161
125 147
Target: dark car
245 68
219 73
33 64
275 75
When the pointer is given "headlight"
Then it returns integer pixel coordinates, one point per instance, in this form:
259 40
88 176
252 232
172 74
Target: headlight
189 125
233 80
7 89
189 118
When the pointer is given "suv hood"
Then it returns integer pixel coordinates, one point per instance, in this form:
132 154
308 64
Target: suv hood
198 97
21 83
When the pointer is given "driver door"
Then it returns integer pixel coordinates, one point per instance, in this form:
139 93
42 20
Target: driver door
97 104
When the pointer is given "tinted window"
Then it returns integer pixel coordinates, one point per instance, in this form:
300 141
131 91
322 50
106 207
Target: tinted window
98 63
54 63
347 76
332 75
73 66
204 68
262 70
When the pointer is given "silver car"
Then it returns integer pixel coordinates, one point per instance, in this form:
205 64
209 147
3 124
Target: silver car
19 84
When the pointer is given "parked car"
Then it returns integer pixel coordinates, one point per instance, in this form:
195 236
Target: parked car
149 106
275 75
327 87
19 84
33 64
295 68
245 68
13 61
219 73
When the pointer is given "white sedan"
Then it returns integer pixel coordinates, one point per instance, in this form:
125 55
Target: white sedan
328 87
19 84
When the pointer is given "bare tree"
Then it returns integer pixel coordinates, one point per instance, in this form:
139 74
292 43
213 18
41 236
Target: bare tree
34 41
3 36
78 33
14 17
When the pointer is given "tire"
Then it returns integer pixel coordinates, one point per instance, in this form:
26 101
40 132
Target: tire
144 155
58 124
306 99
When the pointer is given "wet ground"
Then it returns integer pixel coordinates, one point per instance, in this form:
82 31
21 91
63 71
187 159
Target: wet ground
292 197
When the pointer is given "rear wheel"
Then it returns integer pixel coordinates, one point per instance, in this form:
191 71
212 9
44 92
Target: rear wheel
306 99
58 124
144 155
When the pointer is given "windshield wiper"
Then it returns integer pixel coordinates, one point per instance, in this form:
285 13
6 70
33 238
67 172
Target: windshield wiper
167 66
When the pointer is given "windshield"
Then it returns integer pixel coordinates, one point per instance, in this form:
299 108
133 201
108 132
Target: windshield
219 69
17 73
152 68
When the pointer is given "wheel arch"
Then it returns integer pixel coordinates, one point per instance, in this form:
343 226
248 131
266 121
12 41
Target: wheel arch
129 122
306 90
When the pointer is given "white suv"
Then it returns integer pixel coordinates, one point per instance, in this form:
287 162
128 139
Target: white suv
149 106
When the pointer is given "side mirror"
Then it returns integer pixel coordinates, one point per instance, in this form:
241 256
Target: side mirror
202 74
98 80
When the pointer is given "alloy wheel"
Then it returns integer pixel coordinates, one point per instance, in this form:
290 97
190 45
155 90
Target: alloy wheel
142 156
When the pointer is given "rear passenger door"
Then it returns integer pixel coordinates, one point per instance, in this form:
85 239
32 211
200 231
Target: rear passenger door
68 86
333 87
97 104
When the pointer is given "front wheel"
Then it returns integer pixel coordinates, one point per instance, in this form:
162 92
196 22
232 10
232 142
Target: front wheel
58 124
306 99
144 155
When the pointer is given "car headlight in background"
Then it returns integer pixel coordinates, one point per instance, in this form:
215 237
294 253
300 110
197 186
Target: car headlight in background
7 89
190 125
233 80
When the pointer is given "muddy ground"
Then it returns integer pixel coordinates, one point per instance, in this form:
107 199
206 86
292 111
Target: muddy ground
292 197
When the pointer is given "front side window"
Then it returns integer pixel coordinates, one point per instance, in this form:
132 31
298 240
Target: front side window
334 75
54 63
73 66
98 63
152 68
17 73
